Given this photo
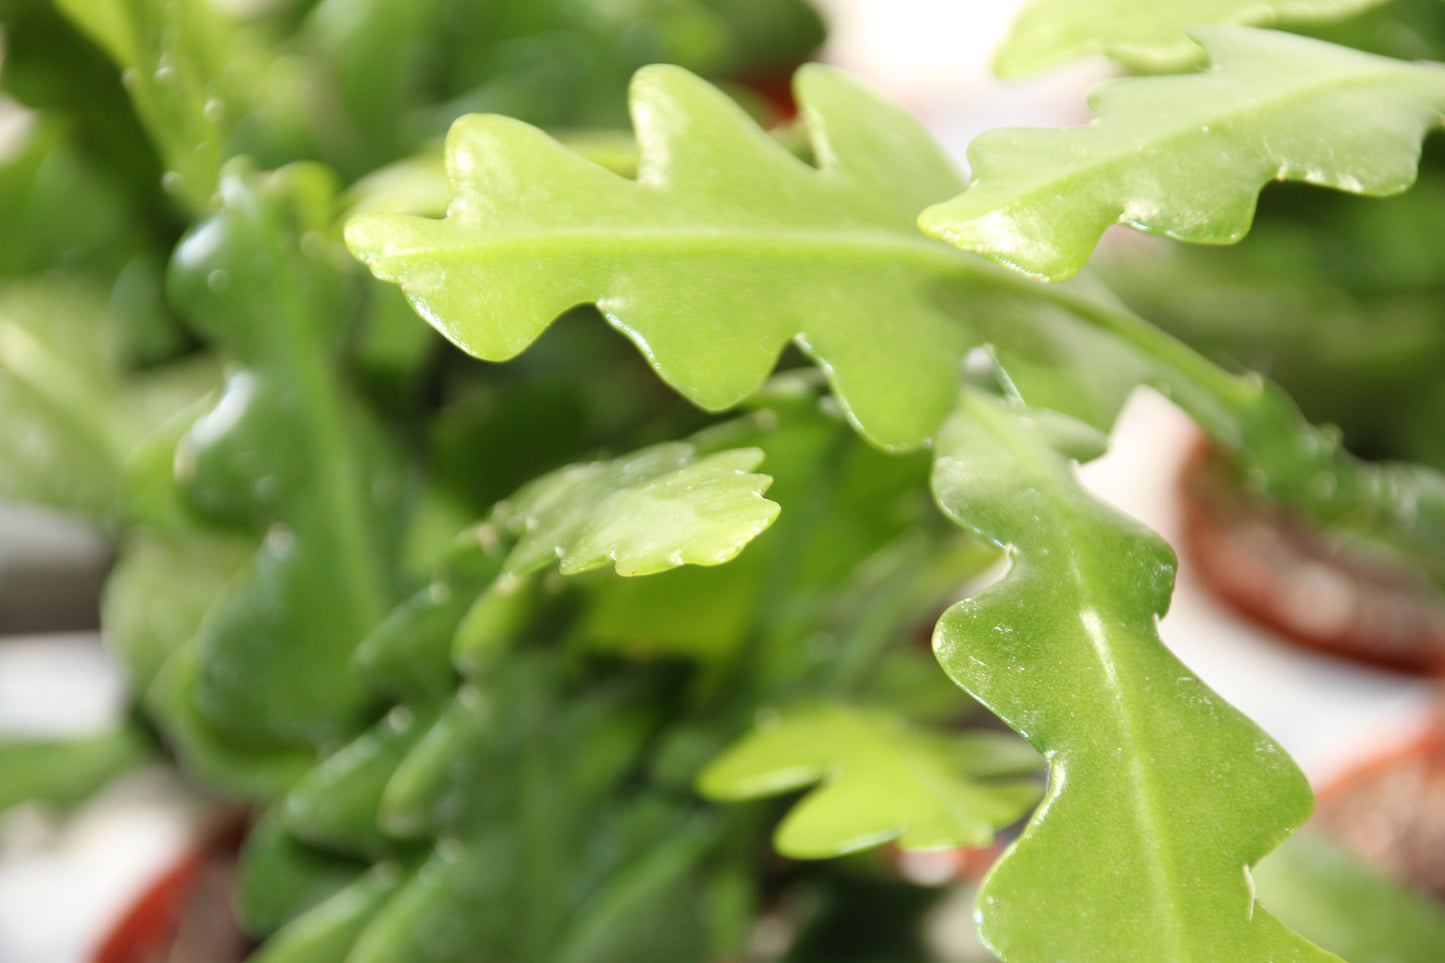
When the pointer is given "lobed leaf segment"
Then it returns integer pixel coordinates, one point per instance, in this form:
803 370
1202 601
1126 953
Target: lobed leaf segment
1186 156
1148 37
723 250
879 780
1065 649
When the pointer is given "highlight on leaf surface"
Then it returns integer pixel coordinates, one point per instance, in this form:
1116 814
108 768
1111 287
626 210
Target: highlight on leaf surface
1161 795
724 250
1186 156
1149 36
879 780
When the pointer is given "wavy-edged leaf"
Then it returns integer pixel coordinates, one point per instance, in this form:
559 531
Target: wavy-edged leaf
293 454
881 780
1186 156
1161 795
1149 36
647 512
726 247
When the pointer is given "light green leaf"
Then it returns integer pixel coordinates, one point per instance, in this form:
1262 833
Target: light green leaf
65 432
1149 36
1187 156
1329 895
726 247
63 772
647 512
881 780
1161 795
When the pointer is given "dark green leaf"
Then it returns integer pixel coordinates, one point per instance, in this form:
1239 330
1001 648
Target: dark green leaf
64 771
723 232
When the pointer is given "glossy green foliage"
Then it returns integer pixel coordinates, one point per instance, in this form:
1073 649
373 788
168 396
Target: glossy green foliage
290 454
1149 36
504 814
466 753
881 780
208 754
1159 829
1186 156
654 510
723 232
538 802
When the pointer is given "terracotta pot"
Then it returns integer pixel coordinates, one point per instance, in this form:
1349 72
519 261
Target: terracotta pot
1282 572
1391 811
185 915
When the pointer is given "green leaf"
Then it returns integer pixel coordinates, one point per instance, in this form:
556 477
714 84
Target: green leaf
1186 156
171 53
1148 36
1338 901
290 452
647 512
279 878
158 593
1161 795
63 772
881 780
57 206
208 756
328 931
335 805
65 432
725 249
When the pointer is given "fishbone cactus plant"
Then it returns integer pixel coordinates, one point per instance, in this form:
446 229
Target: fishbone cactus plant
503 654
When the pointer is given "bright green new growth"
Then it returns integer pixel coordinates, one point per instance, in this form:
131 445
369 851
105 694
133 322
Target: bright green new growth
881 780
1161 795
1186 156
724 249
647 512
1149 37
